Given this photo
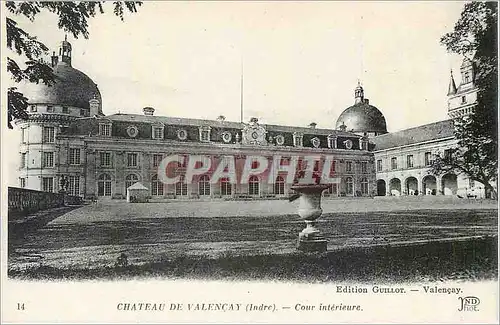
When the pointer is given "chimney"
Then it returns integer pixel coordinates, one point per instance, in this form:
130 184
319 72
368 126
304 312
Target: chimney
148 110
254 120
94 104
312 125
55 59
366 101
221 118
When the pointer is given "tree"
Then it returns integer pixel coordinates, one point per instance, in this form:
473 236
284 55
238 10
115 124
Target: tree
73 18
475 37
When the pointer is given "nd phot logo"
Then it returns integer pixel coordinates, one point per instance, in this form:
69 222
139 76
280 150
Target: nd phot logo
469 303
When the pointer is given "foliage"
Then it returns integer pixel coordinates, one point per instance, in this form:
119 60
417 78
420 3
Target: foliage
73 17
475 37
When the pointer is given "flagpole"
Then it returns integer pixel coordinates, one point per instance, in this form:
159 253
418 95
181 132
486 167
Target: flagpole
241 91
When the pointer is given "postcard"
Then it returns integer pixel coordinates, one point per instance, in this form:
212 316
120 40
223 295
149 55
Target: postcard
249 162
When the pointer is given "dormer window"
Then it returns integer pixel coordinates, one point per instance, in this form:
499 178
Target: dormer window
297 139
50 109
105 130
33 108
65 110
332 141
157 132
205 134
464 100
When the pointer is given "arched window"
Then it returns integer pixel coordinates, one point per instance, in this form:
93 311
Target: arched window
181 187
130 180
279 186
225 186
253 185
104 185
349 186
156 186
364 186
204 185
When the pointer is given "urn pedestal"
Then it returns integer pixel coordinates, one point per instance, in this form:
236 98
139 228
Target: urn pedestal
310 239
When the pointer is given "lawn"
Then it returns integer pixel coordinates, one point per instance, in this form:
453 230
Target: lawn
76 242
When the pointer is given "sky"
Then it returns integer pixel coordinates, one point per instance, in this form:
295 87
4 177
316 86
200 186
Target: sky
300 61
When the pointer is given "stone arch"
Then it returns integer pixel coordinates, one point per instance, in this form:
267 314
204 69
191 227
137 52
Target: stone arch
395 186
449 185
411 186
381 187
429 185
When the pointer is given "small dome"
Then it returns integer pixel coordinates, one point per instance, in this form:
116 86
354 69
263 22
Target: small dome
71 88
362 117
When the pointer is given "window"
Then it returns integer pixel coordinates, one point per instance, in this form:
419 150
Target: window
74 185
130 180
348 166
279 186
132 160
23 160
316 165
204 135
297 140
157 160
48 184
448 155
379 165
82 112
471 183
50 109
48 159
394 163
364 167
181 187
427 158
204 185
409 161
74 156
22 182
156 186
65 110
349 186
105 130
333 166
23 135
225 187
104 185
33 108
467 77
331 142
364 186
464 100
48 134
105 158
253 185
157 132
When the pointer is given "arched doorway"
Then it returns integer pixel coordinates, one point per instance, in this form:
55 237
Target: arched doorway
130 180
225 187
429 185
181 188
395 187
156 186
449 184
279 186
104 185
381 191
411 186
204 185
253 186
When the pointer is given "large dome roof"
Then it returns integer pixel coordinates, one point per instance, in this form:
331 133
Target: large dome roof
71 88
362 117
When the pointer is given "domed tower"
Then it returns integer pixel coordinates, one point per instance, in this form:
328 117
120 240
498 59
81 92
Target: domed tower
51 109
362 118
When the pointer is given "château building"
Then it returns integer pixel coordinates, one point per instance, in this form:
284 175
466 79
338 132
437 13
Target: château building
67 136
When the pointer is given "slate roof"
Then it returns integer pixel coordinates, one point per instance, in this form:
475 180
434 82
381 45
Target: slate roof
428 132
178 121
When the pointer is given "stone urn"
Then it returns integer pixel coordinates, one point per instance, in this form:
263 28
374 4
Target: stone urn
309 195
